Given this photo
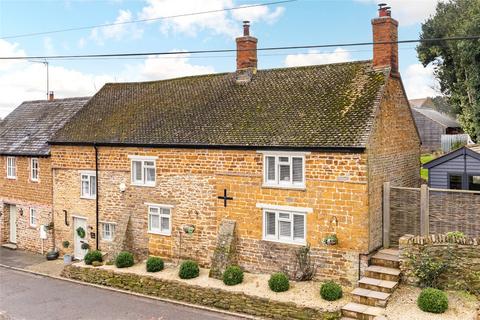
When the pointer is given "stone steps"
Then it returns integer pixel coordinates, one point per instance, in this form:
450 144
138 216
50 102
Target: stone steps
370 297
374 290
383 273
377 284
360 311
11 246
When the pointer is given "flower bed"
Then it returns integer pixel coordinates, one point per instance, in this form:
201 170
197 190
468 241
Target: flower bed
252 296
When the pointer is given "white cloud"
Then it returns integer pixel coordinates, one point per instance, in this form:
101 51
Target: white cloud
23 80
420 81
314 57
409 12
118 31
223 22
164 67
256 14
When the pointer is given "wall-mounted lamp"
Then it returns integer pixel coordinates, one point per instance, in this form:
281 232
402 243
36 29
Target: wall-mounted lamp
20 210
122 187
335 221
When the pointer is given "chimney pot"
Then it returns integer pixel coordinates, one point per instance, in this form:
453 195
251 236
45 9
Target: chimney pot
51 96
246 28
385 37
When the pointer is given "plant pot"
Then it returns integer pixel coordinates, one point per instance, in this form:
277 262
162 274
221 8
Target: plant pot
67 259
52 255
330 242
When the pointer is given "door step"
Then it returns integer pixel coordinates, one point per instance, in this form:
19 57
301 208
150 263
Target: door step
11 246
370 297
361 311
377 284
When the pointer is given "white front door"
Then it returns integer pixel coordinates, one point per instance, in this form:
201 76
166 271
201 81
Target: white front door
13 224
78 252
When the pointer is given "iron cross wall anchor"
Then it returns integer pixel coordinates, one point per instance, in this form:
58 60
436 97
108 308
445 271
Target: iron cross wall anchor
225 198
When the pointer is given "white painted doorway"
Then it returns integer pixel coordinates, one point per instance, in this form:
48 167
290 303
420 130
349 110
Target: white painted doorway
13 224
78 252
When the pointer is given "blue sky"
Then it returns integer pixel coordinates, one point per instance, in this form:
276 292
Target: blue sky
304 22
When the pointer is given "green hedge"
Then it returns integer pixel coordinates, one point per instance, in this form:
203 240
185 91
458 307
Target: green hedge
432 300
331 291
189 269
124 260
154 264
233 275
91 256
279 282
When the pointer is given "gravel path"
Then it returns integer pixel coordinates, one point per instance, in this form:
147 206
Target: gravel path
403 306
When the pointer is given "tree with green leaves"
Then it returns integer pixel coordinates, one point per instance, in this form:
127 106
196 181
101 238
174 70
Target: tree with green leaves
457 63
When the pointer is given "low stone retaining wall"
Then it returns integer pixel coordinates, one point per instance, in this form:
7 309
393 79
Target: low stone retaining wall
210 297
461 254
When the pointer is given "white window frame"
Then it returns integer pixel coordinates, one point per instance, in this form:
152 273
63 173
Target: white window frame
276 182
277 237
142 181
92 188
34 169
112 226
160 215
11 168
32 219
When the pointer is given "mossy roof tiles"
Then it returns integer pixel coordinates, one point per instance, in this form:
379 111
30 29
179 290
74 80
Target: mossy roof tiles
324 106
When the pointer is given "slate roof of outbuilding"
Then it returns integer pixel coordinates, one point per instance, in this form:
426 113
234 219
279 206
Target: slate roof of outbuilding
438 117
27 129
324 106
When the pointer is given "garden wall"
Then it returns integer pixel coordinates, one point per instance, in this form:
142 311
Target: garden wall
461 254
210 297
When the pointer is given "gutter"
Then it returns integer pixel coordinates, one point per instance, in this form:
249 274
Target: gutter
212 146
96 197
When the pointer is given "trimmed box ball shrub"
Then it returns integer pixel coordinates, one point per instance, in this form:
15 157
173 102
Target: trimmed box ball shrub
91 256
331 291
124 260
233 275
188 270
432 300
154 264
279 282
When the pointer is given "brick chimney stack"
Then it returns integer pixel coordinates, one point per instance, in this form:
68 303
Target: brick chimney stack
246 49
385 31
51 96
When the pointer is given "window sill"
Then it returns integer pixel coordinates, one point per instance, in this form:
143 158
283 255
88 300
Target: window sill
276 186
12 178
88 198
160 233
34 181
143 185
285 242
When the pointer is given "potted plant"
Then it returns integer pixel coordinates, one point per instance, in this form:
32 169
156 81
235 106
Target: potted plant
330 240
188 228
85 245
67 258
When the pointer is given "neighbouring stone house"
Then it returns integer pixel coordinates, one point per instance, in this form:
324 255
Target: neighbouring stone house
25 170
290 155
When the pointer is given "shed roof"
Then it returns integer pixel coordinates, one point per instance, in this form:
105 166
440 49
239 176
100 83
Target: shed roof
471 150
324 106
438 117
27 129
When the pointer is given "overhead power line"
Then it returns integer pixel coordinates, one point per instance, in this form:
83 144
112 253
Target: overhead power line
144 20
171 53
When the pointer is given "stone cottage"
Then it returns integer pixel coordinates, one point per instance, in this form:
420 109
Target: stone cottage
289 156
26 175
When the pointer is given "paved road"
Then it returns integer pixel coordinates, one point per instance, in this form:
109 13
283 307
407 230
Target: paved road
28 296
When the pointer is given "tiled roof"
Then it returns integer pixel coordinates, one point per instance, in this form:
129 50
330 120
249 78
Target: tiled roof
26 130
436 116
303 107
